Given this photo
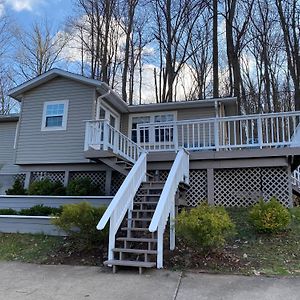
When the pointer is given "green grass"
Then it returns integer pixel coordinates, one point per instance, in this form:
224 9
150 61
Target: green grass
27 247
269 254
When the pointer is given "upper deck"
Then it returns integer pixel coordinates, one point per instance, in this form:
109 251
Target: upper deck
213 138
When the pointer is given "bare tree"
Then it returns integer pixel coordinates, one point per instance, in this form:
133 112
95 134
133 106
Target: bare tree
38 49
215 50
175 21
237 17
289 15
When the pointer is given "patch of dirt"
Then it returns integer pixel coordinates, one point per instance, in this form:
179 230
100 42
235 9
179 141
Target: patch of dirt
70 254
185 257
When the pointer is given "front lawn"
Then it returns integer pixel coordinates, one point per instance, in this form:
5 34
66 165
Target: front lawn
247 253
27 247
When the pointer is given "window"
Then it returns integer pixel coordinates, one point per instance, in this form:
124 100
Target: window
144 133
157 135
55 115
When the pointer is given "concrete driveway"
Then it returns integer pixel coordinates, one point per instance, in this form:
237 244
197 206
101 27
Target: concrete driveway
28 281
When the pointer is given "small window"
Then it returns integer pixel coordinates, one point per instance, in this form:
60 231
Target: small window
55 115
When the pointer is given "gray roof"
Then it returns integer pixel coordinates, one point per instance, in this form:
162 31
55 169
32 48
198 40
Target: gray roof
102 87
229 101
9 118
112 97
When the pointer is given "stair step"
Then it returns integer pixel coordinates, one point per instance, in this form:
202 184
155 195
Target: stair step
130 263
151 188
121 162
142 240
145 202
138 219
148 195
143 210
135 228
135 251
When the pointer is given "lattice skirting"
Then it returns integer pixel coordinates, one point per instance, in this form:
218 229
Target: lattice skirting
96 177
51 175
116 181
244 187
238 187
197 192
20 177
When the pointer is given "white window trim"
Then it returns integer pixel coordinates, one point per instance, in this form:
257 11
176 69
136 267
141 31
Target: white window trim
151 115
65 116
108 111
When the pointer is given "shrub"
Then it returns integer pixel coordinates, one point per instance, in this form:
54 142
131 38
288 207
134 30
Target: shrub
83 187
46 187
205 226
40 210
80 221
16 189
269 216
8 211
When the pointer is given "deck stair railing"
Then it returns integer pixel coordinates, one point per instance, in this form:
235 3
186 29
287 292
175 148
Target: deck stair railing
100 135
123 201
227 133
166 204
296 177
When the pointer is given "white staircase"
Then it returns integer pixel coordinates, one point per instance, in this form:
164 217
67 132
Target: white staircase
144 206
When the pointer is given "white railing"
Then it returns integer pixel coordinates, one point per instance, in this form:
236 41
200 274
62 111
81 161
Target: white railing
100 135
166 204
123 201
251 131
296 177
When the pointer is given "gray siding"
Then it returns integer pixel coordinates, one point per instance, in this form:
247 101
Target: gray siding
182 114
194 113
65 146
7 138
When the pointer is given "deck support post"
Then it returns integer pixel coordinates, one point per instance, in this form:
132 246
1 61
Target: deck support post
111 240
27 180
66 177
172 227
160 247
108 175
210 186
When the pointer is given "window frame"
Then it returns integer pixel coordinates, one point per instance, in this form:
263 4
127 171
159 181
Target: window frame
64 116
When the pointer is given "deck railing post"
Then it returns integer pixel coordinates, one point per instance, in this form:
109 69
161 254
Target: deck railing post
259 132
138 135
175 136
87 136
216 132
105 135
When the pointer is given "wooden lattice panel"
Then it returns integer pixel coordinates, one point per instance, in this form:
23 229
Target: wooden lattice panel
96 177
20 177
276 182
116 181
244 187
52 176
197 192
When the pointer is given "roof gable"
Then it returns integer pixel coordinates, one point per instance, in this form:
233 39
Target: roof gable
17 92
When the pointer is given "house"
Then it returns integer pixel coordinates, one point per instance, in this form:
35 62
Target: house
71 126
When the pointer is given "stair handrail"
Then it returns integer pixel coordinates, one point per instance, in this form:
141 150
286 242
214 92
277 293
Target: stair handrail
166 203
123 145
123 200
296 177
100 133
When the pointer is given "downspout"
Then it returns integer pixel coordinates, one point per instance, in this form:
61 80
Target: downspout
98 102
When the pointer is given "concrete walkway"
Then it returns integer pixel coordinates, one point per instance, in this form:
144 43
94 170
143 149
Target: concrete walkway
28 281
